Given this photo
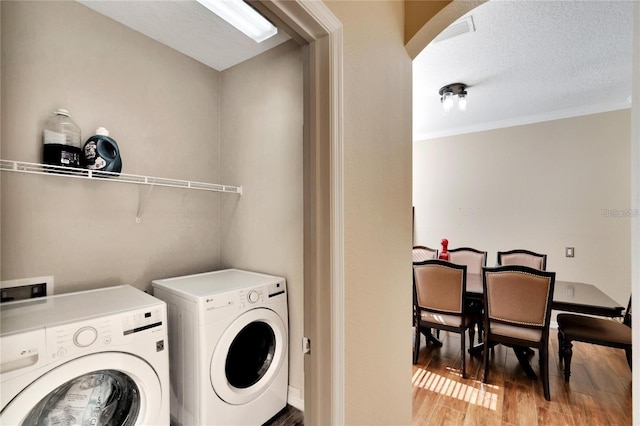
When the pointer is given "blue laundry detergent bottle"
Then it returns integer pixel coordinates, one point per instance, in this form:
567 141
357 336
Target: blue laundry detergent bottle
101 153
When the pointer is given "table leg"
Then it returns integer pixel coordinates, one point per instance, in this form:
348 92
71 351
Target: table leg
522 355
430 337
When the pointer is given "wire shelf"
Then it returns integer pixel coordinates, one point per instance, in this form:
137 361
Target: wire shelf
72 172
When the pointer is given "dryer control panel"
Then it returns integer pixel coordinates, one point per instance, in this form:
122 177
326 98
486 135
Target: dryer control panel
251 296
221 305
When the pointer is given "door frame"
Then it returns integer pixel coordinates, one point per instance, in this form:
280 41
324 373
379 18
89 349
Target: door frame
314 26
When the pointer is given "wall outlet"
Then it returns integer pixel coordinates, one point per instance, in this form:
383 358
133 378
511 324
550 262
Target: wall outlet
569 252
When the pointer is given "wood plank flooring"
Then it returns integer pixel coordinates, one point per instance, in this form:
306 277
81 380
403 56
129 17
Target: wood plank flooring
599 392
288 416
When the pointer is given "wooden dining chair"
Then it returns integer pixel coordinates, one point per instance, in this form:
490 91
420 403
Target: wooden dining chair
475 260
524 258
517 301
421 253
439 289
597 331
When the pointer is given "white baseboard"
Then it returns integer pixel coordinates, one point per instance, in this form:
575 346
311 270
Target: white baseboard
294 398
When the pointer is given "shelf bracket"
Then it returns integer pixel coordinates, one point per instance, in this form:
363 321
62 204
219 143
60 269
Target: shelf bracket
143 204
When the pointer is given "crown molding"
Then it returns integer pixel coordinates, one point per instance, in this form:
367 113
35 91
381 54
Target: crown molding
520 121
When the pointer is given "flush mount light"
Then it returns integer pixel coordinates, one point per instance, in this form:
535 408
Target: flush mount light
448 92
243 17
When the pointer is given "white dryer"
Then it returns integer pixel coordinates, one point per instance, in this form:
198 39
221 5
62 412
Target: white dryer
229 356
91 357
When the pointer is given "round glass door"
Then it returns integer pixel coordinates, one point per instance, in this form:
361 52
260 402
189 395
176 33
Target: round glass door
109 388
103 397
248 355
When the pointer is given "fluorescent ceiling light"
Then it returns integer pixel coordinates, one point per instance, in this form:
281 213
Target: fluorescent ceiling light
243 17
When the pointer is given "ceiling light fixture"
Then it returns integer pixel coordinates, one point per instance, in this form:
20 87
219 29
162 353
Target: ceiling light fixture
243 17
448 92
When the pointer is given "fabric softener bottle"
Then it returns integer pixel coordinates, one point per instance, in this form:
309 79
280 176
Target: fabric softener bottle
61 141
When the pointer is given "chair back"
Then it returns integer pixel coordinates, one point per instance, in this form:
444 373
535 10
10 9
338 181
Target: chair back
627 315
421 253
440 286
524 258
519 296
474 259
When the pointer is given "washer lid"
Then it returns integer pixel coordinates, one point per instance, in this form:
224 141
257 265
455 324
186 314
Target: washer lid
49 311
199 285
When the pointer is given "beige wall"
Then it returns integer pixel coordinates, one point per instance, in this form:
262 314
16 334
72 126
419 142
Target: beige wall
262 230
542 187
418 12
377 215
160 106
172 117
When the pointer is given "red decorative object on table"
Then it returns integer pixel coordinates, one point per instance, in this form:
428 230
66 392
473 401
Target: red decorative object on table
444 253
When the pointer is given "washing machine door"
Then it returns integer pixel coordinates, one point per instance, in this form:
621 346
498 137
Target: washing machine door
110 388
248 356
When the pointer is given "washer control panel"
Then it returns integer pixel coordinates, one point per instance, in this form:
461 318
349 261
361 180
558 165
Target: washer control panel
85 336
69 339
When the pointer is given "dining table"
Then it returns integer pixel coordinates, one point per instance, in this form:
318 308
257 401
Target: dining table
568 296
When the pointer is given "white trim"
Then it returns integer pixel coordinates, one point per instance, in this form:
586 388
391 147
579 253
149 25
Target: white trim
337 226
519 121
333 27
312 20
294 398
635 203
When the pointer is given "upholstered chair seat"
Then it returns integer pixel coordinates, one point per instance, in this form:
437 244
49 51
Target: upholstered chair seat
516 332
517 312
597 331
583 327
448 320
438 293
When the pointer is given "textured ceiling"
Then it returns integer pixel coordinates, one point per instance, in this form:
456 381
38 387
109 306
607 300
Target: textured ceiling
527 61
187 27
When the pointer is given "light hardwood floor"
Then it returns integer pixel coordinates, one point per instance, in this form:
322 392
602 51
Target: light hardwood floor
599 392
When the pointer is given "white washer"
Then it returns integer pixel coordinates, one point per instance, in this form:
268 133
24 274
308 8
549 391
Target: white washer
92 357
229 356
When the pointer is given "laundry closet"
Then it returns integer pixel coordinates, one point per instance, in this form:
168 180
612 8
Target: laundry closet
173 117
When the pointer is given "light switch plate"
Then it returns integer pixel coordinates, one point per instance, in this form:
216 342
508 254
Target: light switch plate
569 252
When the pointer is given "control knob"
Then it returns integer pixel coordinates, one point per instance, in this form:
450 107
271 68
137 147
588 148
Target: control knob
85 336
253 296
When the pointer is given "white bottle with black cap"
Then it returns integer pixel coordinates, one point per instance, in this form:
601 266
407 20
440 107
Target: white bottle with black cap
62 144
